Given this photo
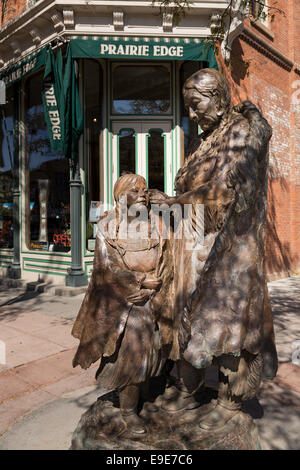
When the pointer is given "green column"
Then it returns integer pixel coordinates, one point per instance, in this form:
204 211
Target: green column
14 271
76 276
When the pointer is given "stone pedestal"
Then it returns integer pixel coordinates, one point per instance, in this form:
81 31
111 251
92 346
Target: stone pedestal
102 428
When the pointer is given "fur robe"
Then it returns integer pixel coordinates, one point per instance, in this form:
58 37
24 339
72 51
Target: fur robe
229 309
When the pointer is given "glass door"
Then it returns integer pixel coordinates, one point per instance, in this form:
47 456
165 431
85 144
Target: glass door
144 148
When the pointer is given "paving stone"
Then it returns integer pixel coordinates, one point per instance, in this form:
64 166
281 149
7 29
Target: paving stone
81 380
27 348
48 370
30 322
7 332
12 386
13 411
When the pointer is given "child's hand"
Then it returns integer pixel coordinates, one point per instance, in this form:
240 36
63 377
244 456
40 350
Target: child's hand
152 283
141 296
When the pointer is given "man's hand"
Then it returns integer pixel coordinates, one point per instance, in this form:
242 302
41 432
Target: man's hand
157 197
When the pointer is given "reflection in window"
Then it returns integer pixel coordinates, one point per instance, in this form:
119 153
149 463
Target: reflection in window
190 128
126 151
93 81
6 165
156 159
141 89
259 9
48 199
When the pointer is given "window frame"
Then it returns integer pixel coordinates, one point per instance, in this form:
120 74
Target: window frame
142 63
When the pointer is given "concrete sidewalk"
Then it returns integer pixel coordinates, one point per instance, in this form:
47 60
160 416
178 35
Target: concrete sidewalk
42 397
36 329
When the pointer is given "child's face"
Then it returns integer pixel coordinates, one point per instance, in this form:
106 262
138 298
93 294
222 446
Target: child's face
137 194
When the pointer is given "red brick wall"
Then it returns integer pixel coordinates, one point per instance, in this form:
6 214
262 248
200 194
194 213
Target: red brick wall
12 9
269 86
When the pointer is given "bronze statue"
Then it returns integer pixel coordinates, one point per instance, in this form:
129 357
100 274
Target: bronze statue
125 318
152 299
227 320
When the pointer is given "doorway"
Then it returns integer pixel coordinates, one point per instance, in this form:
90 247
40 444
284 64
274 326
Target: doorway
145 148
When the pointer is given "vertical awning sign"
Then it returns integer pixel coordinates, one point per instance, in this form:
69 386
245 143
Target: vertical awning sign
53 100
62 109
73 115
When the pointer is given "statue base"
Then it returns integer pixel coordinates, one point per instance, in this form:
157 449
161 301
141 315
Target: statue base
101 427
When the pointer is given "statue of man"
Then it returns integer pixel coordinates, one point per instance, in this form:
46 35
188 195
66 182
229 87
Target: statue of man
227 320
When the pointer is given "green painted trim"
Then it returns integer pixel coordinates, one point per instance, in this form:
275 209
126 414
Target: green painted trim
147 157
107 94
84 159
165 162
45 272
173 137
140 121
175 133
136 153
47 261
6 256
53 272
111 166
37 266
46 253
139 116
118 155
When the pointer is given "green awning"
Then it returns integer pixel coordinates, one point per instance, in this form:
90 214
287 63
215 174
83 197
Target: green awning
119 47
143 48
19 70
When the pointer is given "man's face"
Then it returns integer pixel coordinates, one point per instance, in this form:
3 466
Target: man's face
137 194
201 106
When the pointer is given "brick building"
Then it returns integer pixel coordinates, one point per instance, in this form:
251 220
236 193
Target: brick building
132 61
273 50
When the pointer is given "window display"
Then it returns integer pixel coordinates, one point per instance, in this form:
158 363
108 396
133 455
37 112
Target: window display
47 175
93 82
6 166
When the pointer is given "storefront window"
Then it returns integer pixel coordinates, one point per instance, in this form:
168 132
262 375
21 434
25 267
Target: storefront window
48 194
6 166
93 81
156 159
126 151
190 128
141 89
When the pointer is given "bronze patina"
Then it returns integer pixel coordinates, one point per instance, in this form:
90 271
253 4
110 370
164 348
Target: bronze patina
153 302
